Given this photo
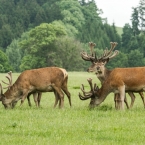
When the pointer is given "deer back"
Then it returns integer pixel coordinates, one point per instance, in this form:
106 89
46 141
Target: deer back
132 78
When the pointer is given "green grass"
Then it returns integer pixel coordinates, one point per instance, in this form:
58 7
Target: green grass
72 126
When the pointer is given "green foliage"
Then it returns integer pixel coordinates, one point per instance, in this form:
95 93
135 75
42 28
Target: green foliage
68 54
14 55
141 42
40 44
4 64
121 60
46 23
72 13
126 36
31 62
135 21
135 58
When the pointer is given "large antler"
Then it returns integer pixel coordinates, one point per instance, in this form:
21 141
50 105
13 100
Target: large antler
9 77
89 94
108 54
89 57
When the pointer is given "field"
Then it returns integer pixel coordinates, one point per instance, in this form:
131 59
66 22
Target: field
72 126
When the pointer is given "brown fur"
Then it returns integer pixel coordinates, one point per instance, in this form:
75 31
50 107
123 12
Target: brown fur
121 80
103 73
47 79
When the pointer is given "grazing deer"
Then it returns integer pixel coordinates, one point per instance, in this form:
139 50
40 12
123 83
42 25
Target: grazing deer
98 66
36 96
49 79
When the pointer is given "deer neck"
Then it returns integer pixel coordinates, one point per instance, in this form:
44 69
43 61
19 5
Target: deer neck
104 75
103 92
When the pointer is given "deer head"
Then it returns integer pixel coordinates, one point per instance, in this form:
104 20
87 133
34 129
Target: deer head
91 94
9 84
98 63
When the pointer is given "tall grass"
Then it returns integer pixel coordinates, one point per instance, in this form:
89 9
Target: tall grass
72 126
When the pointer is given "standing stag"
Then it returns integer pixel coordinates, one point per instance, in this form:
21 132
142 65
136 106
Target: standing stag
49 79
98 66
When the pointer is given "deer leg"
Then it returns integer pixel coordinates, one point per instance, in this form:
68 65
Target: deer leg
142 97
65 89
125 101
39 98
132 98
60 93
56 99
35 96
68 94
29 102
116 100
122 97
24 97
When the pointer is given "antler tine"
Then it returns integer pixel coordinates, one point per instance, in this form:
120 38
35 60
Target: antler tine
93 89
9 77
90 83
82 97
85 93
1 89
116 52
89 57
113 45
109 53
92 45
89 94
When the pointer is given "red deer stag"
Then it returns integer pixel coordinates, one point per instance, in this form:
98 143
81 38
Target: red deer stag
49 79
36 96
98 66
118 81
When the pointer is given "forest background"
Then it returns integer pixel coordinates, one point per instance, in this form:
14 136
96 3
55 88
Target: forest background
36 34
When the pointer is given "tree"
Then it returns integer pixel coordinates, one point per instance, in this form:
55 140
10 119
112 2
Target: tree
135 21
121 60
4 64
40 44
142 14
141 42
14 55
6 34
72 13
68 54
135 58
126 37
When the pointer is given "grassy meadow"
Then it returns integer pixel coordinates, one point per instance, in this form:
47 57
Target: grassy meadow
72 126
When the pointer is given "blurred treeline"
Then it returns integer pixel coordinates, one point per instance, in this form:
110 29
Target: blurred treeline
36 34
